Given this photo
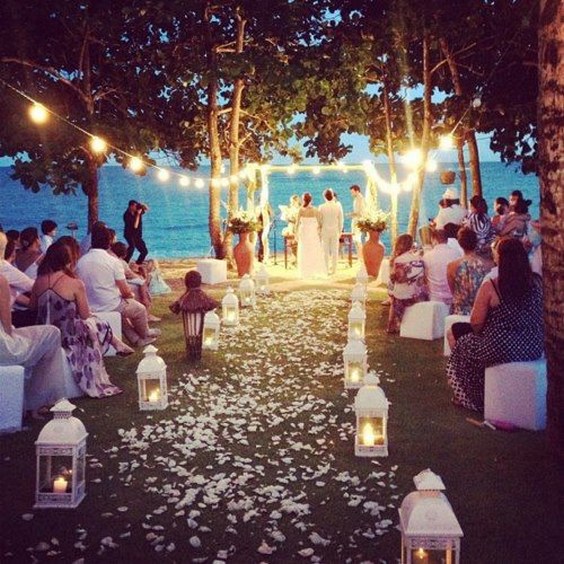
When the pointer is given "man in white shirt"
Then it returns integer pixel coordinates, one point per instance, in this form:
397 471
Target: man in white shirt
19 284
436 261
107 289
359 210
451 211
331 220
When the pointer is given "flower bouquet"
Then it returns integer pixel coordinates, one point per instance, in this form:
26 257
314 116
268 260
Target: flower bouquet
373 221
243 221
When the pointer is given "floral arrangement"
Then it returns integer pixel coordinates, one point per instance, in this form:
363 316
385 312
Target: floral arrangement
242 221
373 221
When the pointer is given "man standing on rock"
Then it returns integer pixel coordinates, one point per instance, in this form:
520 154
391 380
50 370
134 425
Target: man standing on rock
133 230
331 220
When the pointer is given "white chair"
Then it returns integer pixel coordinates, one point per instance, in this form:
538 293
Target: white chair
424 320
114 319
213 271
11 398
449 320
516 393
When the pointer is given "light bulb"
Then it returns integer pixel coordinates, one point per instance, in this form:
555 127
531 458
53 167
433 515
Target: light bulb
38 113
136 164
163 175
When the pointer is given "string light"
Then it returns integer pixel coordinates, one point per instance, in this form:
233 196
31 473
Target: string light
163 175
413 158
136 164
316 170
199 183
431 165
98 145
184 181
38 113
446 142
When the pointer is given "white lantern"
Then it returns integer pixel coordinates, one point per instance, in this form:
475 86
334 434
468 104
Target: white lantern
356 364
247 292
210 336
358 294
61 460
357 321
230 308
362 276
151 381
261 278
430 532
371 408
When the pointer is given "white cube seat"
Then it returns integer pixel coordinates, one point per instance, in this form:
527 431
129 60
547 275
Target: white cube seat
384 273
212 271
449 321
424 320
516 393
11 398
114 319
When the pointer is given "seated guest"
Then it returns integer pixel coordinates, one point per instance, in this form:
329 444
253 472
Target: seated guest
107 289
407 281
61 300
450 210
506 325
86 243
29 254
436 261
20 285
479 221
516 221
48 230
38 350
501 208
465 275
516 196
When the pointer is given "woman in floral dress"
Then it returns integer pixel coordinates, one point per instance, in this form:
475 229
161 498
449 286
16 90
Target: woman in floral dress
407 281
61 300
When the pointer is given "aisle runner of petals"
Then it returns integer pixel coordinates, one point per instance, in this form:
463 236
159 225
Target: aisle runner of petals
263 450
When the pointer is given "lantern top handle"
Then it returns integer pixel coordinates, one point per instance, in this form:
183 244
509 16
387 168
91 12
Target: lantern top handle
150 349
63 408
428 480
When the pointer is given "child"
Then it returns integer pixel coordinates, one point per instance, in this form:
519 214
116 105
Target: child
49 230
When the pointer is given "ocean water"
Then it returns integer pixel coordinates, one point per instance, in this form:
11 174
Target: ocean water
176 224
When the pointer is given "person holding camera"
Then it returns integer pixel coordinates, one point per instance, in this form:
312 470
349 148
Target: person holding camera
133 230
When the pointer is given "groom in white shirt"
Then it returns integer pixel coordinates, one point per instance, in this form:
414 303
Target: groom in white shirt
331 220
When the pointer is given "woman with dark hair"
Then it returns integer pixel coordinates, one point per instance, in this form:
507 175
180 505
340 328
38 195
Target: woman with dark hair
516 222
311 262
479 221
28 256
506 325
60 298
407 281
501 208
464 275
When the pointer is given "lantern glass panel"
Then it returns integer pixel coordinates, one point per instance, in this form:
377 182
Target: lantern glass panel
209 336
357 328
430 556
355 371
55 474
371 431
151 390
246 297
230 313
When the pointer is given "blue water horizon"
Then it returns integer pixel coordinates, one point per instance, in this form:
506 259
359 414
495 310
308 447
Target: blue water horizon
176 225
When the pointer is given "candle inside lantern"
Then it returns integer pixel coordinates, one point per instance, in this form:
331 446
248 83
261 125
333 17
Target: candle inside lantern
60 485
209 336
230 315
421 556
368 436
155 395
355 374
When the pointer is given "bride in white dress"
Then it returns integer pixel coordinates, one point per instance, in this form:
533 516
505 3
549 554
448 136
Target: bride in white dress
311 263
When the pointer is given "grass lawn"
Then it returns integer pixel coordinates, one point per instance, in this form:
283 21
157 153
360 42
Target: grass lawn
253 461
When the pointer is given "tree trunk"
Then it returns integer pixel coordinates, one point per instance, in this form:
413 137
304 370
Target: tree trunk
418 188
474 162
391 165
551 149
234 137
462 172
90 188
216 235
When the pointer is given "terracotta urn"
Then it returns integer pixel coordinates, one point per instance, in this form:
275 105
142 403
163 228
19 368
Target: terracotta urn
448 177
373 252
243 252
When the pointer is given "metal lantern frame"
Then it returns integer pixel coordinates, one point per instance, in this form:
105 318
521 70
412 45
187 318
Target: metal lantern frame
151 381
210 333
430 531
357 321
247 294
371 409
358 294
355 361
230 309
61 460
262 280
